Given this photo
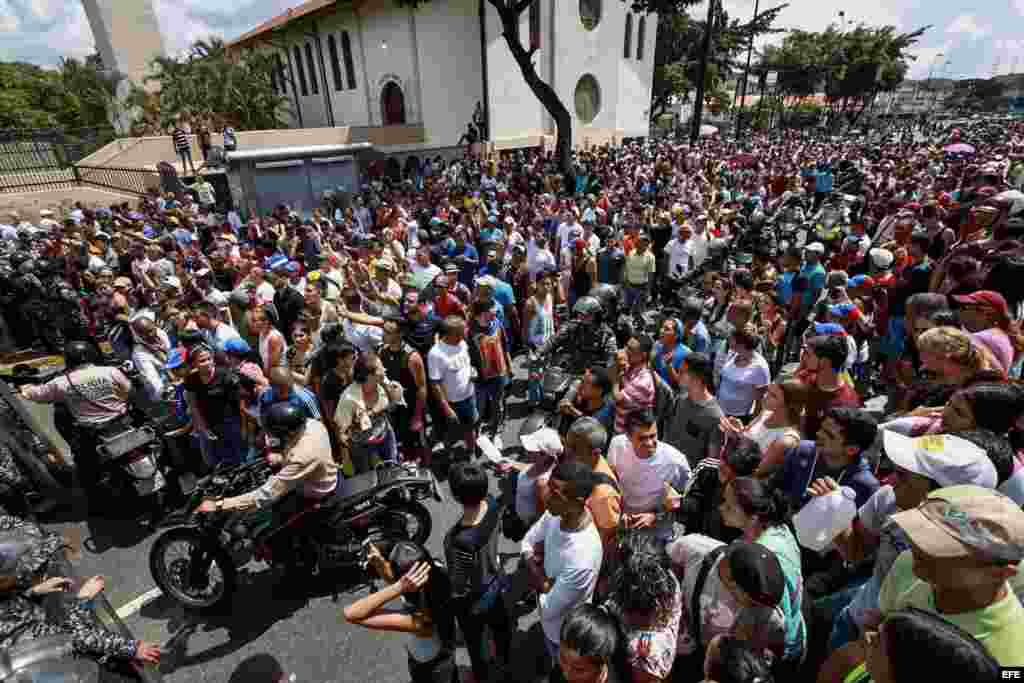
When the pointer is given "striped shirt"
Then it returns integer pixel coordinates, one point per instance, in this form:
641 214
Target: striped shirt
181 141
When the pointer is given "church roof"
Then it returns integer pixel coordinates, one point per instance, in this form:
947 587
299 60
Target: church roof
304 9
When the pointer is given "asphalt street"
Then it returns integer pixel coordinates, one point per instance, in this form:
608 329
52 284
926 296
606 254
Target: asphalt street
264 632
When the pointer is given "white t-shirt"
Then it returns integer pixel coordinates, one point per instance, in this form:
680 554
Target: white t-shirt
451 366
526 494
363 337
643 480
737 385
220 334
265 292
572 560
679 254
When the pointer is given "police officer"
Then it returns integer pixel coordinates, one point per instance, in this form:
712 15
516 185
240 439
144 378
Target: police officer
95 395
587 333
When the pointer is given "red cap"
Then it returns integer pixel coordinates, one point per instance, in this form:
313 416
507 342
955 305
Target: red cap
988 299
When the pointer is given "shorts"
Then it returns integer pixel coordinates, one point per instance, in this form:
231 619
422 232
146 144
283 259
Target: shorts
466 411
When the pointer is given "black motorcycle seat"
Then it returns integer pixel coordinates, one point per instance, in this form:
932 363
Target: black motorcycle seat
356 489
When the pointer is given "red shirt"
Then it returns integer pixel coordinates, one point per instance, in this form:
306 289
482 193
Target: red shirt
820 402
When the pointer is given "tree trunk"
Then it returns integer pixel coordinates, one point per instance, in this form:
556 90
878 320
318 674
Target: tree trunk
867 104
509 15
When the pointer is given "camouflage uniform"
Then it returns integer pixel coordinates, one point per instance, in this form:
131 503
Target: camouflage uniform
23 617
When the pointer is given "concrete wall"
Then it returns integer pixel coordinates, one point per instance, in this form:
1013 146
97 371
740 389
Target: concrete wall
149 151
389 36
350 105
569 51
451 69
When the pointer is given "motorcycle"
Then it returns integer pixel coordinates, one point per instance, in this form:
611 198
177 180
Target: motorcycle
382 506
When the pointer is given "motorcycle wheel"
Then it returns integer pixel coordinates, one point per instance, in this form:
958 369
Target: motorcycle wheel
172 575
411 521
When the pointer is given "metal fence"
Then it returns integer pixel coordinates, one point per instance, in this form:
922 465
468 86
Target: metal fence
130 180
44 159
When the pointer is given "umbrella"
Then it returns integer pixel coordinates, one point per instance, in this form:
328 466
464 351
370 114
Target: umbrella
707 131
959 148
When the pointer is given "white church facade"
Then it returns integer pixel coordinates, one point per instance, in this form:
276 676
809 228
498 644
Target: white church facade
370 63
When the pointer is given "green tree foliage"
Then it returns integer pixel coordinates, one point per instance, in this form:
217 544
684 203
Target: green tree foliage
677 53
850 67
73 96
210 86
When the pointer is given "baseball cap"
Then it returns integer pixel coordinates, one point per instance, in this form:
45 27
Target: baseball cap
882 258
986 299
122 282
545 440
276 262
292 267
861 282
384 264
816 247
945 459
966 521
451 267
237 345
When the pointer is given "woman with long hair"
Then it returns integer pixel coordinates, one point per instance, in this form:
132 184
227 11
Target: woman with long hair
670 352
951 356
301 346
426 594
272 346
646 598
761 512
361 418
732 660
776 428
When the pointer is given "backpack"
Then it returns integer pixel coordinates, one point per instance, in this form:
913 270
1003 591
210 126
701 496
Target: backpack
467 570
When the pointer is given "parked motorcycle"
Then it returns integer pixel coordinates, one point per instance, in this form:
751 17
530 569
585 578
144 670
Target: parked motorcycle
196 561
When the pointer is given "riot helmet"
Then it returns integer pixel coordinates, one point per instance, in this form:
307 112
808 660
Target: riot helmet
283 420
78 353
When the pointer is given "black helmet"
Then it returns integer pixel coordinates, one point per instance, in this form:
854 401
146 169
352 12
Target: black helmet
608 296
77 353
587 306
19 257
283 419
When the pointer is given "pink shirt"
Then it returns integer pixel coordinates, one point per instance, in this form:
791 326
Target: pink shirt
996 341
95 394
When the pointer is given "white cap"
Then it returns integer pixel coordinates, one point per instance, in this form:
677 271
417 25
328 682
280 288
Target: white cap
945 459
882 258
817 247
544 440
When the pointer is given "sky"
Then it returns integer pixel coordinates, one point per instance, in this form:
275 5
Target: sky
961 43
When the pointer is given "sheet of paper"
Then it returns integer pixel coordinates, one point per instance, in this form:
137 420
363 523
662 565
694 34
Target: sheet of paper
491 451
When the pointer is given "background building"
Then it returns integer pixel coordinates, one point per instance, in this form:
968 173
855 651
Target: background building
425 71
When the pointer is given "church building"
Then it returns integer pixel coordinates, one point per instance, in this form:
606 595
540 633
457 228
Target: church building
429 72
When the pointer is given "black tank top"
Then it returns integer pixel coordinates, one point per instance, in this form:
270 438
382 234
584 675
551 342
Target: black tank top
396 366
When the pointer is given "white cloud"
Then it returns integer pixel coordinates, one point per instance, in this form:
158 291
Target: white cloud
45 10
968 24
8 20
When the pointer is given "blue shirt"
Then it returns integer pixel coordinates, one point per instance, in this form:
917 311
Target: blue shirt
300 397
784 286
816 282
679 354
467 268
492 235
504 294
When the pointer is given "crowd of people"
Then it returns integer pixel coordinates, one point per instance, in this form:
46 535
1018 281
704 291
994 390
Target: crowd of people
656 516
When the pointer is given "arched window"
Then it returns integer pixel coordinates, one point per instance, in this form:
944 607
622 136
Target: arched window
350 68
332 50
627 45
392 104
273 79
641 30
312 70
535 25
303 86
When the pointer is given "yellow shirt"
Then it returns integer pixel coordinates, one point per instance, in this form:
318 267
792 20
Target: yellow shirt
999 627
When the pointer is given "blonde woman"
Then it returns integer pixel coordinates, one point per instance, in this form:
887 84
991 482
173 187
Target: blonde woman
952 356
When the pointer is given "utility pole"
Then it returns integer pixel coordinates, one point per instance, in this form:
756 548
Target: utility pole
705 53
746 72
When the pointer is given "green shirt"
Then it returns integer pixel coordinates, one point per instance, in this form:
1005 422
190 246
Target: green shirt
999 627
